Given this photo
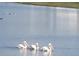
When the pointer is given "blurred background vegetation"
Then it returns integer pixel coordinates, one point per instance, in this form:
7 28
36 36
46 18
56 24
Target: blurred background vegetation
54 4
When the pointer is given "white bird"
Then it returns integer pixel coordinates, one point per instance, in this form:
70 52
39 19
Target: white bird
47 49
34 47
20 46
23 45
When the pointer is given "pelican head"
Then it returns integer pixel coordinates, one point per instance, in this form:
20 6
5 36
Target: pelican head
37 46
24 42
50 46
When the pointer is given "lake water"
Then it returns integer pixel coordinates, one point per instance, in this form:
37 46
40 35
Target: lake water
40 24
63 46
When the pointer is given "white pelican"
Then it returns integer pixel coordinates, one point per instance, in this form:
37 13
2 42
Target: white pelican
23 45
20 46
34 47
47 49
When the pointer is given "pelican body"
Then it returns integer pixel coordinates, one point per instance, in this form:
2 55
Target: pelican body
47 49
23 45
34 47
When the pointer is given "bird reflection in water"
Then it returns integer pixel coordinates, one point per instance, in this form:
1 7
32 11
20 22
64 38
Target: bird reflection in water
33 52
23 52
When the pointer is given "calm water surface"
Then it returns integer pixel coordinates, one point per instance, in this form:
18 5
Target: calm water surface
38 24
63 46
